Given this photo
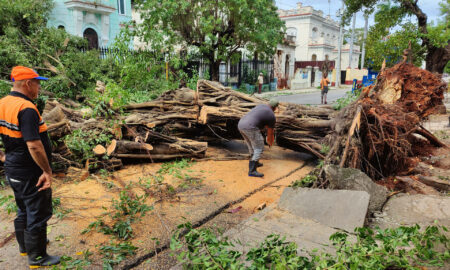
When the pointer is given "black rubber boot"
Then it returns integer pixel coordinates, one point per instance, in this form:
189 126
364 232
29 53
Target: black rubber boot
258 164
36 244
19 227
252 169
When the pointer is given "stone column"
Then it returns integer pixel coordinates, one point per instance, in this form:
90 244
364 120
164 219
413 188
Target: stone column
105 30
309 69
78 24
318 76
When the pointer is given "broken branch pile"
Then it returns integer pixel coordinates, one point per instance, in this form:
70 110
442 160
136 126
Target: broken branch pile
212 113
180 123
375 133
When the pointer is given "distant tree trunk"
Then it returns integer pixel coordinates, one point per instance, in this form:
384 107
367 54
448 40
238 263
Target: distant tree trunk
437 58
214 66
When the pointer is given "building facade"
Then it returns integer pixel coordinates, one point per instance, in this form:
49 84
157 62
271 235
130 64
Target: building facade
316 36
99 21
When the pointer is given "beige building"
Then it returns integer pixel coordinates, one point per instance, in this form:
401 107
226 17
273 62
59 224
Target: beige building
316 36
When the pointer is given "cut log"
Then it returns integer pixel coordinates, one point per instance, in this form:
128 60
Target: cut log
54 116
209 115
91 125
62 149
128 147
99 150
110 149
72 115
61 164
165 145
59 130
108 164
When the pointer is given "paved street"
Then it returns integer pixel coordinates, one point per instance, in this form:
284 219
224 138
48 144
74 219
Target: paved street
312 98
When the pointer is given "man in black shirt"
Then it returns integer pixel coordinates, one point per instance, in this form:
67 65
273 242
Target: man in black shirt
250 126
27 165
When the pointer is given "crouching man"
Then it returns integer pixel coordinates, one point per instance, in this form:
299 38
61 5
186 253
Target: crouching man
250 126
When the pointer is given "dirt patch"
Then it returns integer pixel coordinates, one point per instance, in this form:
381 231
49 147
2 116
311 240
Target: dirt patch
198 190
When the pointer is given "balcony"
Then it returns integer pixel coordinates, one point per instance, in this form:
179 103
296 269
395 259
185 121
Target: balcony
304 64
95 6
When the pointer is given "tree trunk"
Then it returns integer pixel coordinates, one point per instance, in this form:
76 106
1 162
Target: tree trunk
437 58
214 66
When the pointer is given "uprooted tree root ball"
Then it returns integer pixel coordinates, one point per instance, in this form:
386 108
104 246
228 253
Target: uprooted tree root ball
375 133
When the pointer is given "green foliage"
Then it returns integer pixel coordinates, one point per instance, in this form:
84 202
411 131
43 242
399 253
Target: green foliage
398 248
349 98
325 149
306 181
19 19
204 250
382 45
58 210
68 262
358 37
82 142
127 206
386 40
115 253
8 203
2 182
249 76
276 253
175 168
124 212
214 29
5 88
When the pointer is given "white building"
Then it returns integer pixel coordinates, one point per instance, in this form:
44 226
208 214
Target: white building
316 36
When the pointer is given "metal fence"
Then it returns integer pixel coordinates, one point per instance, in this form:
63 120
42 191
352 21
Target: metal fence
234 75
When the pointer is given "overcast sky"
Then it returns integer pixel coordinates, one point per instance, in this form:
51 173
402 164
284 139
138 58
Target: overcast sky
429 7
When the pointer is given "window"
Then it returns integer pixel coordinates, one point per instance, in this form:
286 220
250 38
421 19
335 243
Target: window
291 34
121 7
61 27
314 32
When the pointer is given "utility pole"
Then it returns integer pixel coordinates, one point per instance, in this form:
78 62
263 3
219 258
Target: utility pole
329 8
351 42
366 22
338 62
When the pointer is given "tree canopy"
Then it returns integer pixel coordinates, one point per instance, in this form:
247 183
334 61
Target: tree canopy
393 29
216 29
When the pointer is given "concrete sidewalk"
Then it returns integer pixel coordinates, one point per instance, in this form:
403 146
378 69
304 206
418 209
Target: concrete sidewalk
299 91
305 216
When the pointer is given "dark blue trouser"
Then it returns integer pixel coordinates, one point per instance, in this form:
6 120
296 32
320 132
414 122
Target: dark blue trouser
34 207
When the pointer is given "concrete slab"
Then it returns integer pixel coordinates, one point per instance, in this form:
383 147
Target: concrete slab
407 210
343 209
308 234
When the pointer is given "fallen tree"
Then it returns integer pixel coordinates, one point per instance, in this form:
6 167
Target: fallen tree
375 133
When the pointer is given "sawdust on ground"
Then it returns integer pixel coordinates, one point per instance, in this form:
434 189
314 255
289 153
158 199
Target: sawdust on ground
210 186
